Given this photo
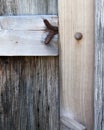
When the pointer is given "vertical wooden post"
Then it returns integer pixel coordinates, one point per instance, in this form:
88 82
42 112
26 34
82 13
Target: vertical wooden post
99 65
77 60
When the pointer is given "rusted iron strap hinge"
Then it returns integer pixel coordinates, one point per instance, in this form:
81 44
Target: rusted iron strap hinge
53 30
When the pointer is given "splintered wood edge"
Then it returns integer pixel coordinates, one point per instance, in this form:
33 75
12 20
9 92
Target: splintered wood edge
72 124
25 35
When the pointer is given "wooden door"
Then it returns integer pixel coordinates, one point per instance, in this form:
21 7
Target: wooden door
29 85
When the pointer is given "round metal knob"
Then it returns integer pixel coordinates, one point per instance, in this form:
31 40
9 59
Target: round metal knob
78 36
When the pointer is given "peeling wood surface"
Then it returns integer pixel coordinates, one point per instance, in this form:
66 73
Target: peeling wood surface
29 85
99 66
77 60
25 36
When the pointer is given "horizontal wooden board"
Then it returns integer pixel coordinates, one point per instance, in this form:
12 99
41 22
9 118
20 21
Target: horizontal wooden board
25 35
26 22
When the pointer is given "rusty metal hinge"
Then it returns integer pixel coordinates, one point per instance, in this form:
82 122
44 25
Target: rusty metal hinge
53 30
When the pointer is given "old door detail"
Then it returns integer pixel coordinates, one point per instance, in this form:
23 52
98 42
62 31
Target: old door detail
28 85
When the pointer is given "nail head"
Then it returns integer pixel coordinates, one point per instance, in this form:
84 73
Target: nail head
78 36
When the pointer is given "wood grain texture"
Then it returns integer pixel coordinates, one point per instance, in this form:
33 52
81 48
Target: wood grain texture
25 36
77 60
99 66
63 127
29 96
28 85
72 124
27 22
14 7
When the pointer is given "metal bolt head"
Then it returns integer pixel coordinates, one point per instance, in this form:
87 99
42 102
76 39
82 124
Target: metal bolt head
78 36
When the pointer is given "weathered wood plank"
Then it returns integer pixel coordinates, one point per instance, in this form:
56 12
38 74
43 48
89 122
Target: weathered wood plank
26 22
63 127
28 81
25 35
29 96
14 7
99 66
72 124
25 43
77 60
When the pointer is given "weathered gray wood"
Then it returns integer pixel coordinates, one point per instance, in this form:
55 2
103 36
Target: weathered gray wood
29 93
63 127
26 43
26 22
13 7
72 124
99 66
28 85
25 36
